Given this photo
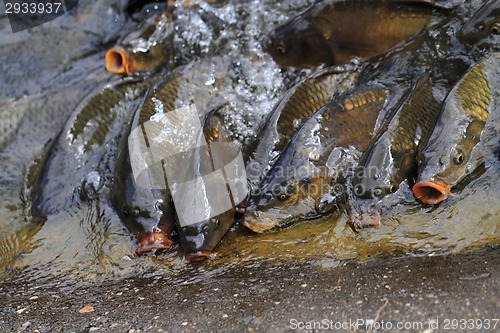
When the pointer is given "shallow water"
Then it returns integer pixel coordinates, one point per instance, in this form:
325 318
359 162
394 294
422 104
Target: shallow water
88 242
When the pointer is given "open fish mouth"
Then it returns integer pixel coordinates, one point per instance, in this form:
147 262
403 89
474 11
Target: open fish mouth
258 223
431 192
198 255
368 219
154 242
117 61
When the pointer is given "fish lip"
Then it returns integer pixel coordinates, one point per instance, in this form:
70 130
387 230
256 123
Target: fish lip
369 219
154 242
198 255
431 191
117 61
258 224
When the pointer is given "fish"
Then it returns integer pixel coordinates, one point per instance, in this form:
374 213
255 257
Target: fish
143 200
483 29
296 106
465 135
147 211
392 158
302 182
77 165
326 35
198 240
147 49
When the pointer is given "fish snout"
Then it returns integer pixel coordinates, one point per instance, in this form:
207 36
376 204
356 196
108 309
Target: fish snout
258 222
154 242
431 192
118 61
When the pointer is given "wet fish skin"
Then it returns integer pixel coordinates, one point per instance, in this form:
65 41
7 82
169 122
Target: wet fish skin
147 213
199 240
465 133
296 106
483 29
323 35
300 183
83 149
392 157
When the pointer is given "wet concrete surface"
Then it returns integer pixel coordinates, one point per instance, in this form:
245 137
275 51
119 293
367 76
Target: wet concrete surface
413 291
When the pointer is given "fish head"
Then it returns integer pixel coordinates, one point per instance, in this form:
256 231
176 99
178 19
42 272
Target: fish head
373 177
283 200
199 239
448 157
147 214
484 28
297 43
128 60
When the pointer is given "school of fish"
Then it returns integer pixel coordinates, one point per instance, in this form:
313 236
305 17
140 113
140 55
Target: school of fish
345 137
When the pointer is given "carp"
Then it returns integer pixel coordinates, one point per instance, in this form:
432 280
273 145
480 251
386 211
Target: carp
302 182
392 158
465 135
144 50
333 32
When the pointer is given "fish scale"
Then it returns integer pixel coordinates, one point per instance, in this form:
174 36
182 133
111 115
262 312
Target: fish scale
167 94
298 104
97 109
428 108
474 94
392 156
305 170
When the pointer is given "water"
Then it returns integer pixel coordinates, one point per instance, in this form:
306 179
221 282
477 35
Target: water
47 71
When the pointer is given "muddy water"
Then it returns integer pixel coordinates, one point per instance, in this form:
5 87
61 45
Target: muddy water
88 242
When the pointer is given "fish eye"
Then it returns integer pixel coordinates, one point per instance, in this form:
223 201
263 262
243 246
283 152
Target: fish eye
392 189
159 205
281 48
495 28
458 156
283 196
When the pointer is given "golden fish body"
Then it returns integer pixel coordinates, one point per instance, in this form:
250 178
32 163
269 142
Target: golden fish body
392 157
79 161
333 32
297 105
300 182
